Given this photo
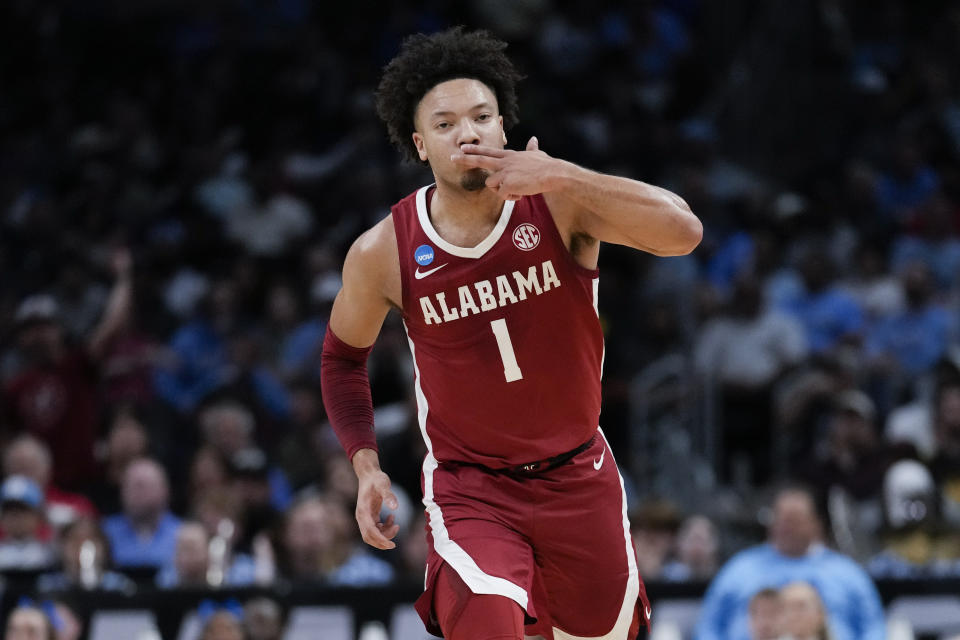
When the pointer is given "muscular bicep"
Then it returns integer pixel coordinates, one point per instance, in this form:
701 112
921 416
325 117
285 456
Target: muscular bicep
369 274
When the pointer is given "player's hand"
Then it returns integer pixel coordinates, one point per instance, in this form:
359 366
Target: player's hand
373 492
513 174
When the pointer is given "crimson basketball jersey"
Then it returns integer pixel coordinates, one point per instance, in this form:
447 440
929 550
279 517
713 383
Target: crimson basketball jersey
506 341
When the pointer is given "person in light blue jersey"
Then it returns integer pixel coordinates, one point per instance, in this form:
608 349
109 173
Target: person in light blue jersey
794 552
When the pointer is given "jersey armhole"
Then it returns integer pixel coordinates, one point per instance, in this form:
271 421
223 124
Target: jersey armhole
539 205
400 232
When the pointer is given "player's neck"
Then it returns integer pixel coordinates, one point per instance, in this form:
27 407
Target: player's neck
457 207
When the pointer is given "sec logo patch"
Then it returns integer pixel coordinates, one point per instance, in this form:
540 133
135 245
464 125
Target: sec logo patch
423 255
526 237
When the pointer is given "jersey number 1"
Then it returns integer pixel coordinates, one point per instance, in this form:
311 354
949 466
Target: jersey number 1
511 370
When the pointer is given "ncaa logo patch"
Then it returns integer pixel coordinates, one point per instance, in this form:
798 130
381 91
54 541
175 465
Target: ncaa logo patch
423 255
526 237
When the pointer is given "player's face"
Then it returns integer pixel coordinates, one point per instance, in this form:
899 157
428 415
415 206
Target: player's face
454 113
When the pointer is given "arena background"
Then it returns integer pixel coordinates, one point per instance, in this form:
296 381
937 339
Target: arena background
179 182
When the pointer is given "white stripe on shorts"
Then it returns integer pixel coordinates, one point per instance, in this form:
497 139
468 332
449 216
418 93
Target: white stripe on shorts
454 555
632 592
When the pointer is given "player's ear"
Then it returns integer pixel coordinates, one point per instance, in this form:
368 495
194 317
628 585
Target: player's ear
418 143
503 134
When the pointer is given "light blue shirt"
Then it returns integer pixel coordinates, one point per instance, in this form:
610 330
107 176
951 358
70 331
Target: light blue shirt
132 550
853 605
827 317
915 338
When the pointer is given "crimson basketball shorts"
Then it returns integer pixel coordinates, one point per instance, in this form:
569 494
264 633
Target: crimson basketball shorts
557 543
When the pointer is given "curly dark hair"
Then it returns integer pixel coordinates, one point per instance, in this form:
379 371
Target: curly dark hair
426 61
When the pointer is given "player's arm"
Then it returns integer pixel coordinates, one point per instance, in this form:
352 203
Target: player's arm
587 203
370 277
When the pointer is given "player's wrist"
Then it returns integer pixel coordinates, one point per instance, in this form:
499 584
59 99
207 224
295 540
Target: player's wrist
563 176
365 462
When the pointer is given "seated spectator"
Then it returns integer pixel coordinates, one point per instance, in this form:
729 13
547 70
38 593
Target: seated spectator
30 457
229 427
299 452
934 243
144 534
830 316
263 619
853 461
766 612
192 562
697 548
909 343
262 491
803 615
199 363
654 528
945 463
84 561
127 440
221 622
319 544
916 543
794 552
878 292
21 518
746 351
27 622
414 550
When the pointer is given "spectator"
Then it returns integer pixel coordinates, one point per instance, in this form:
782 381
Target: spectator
907 344
878 292
221 622
803 615
414 550
318 544
945 463
126 441
851 464
263 489
909 183
654 527
21 517
144 534
299 452
263 619
27 622
199 361
191 565
794 552
55 396
84 561
766 613
830 316
697 549
746 351
30 457
915 542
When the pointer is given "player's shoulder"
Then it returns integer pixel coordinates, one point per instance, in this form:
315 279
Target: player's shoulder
374 257
379 239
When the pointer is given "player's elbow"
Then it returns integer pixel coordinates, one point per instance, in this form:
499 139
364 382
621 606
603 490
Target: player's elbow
686 233
691 233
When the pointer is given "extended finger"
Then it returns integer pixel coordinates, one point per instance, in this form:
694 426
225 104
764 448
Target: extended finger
483 150
473 160
533 144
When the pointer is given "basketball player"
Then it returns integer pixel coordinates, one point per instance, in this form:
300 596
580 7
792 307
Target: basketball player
494 271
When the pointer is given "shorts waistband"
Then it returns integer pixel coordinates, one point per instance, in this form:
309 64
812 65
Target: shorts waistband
538 466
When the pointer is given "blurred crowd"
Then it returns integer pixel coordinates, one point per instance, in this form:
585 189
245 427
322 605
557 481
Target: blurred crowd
179 183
